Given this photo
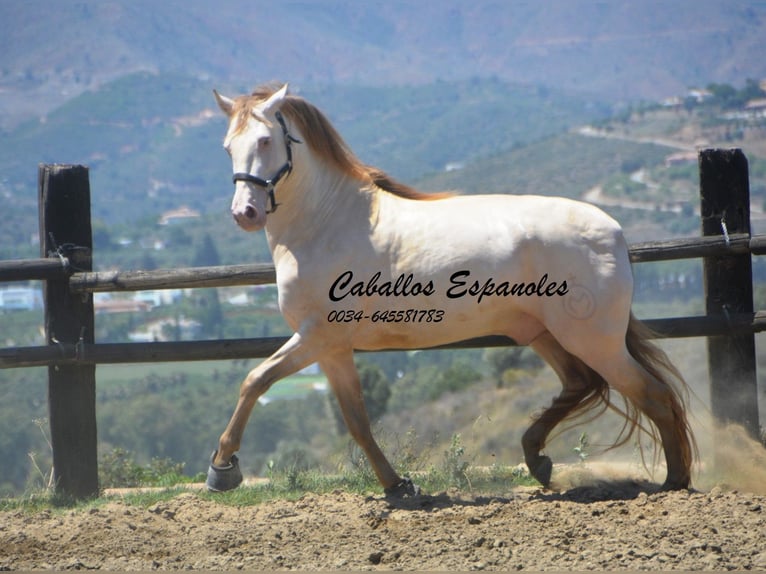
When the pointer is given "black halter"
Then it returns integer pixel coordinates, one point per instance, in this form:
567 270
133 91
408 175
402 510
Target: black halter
270 184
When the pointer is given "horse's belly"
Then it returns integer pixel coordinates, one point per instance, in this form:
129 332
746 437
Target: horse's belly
404 328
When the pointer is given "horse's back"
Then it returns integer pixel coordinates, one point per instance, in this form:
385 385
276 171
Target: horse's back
553 217
551 229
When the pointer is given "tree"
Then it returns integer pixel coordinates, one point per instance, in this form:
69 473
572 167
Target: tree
376 390
430 381
724 95
208 311
102 238
504 359
206 253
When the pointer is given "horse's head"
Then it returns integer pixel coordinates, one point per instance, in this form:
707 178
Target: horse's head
260 148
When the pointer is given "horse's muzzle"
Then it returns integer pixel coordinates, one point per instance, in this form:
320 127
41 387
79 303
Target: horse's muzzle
249 218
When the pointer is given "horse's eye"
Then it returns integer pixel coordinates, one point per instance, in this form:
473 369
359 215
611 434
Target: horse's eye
264 142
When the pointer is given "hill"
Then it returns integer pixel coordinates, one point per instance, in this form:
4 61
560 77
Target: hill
152 141
53 51
639 165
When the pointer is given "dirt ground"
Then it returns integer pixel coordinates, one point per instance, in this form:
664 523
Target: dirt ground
617 525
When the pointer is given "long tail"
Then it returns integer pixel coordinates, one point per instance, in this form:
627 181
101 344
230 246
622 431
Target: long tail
657 364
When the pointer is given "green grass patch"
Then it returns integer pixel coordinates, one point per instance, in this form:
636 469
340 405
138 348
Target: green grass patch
295 386
454 473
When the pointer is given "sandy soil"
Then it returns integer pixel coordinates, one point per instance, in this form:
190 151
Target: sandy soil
616 525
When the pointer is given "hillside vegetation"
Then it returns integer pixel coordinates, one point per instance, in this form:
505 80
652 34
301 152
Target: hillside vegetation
152 142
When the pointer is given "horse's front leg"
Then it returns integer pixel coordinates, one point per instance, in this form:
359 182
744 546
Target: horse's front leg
344 379
224 473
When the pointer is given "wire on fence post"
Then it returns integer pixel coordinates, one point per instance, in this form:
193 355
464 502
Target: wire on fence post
728 281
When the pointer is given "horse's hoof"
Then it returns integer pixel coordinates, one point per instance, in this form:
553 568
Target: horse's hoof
405 488
669 485
541 470
223 478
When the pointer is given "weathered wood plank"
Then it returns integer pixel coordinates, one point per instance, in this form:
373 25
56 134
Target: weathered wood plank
689 247
64 215
34 269
728 281
264 273
193 277
227 349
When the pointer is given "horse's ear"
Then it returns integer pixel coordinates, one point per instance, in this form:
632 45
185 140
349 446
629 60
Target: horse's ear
275 100
226 104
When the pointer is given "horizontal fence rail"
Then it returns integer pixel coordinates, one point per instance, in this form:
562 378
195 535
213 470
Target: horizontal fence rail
190 278
34 269
226 349
264 273
692 247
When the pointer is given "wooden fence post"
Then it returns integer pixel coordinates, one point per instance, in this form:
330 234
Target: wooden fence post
65 230
728 280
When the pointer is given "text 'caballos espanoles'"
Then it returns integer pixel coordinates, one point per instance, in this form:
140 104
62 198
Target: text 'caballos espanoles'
460 285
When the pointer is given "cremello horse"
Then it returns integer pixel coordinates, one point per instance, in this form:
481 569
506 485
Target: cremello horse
363 262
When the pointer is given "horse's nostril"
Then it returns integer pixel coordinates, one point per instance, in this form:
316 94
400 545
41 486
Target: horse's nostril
250 212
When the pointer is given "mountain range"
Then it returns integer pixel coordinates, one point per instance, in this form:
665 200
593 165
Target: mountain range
53 50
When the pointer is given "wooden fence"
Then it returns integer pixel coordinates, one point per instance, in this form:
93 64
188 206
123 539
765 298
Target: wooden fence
71 354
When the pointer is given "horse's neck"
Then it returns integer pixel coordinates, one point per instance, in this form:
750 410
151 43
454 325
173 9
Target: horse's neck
317 204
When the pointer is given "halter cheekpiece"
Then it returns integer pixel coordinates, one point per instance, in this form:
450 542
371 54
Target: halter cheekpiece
270 184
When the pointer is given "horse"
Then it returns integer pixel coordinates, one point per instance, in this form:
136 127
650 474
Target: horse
364 262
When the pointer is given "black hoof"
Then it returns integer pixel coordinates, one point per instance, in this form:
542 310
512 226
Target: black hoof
541 469
223 478
405 488
669 485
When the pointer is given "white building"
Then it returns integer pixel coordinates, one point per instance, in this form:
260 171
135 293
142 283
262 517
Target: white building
21 298
159 297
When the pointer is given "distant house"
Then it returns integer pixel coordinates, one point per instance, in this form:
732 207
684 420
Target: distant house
239 300
757 106
753 111
672 102
178 215
699 95
180 328
681 158
120 306
21 299
158 297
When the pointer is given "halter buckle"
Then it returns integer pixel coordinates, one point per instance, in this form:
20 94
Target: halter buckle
272 199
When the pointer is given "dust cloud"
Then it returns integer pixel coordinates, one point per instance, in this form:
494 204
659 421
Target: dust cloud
729 458
732 460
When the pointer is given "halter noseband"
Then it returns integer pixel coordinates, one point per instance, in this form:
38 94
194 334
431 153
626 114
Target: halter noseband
270 184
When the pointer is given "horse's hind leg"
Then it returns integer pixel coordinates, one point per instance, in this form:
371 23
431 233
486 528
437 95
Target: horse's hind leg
640 371
655 398
579 382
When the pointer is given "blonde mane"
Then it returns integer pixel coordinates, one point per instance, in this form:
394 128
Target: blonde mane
324 140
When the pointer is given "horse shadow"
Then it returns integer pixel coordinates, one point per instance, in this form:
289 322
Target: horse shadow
596 491
602 491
